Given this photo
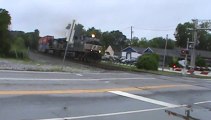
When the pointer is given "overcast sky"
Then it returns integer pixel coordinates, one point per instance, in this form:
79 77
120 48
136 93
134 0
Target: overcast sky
150 18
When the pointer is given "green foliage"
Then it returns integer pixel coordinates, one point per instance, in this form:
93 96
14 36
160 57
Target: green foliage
31 39
174 61
208 42
135 42
143 42
160 42
200 62
18 48
79 30
116 39
5 21
18 44
157 42
203 40
183 34
94 31
148 62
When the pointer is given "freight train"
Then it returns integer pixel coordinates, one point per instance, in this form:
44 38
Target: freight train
83 48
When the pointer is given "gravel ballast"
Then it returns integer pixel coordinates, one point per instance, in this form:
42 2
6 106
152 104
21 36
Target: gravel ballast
42 62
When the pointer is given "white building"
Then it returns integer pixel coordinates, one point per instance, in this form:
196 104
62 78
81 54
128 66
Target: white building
134 52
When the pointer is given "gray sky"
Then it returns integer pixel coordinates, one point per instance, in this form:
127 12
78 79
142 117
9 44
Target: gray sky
150 18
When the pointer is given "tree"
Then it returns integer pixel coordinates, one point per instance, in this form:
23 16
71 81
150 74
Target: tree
143 42
18 48
118 41
183 33
160 42
31 38
94 31
79 30
106 39
135 42
5 21
208 42
157 42
202 39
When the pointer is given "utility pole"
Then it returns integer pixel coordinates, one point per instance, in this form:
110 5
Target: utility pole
196 28
131 34
69 40
164 57
193 54
186 55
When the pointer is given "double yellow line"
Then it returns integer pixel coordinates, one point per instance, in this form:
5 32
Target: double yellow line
80 91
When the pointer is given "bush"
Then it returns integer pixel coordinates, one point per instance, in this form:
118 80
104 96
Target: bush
200 62
18 54
148 62
174 61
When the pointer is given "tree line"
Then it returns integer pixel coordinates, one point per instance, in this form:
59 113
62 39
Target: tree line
183 34
119 41
13 43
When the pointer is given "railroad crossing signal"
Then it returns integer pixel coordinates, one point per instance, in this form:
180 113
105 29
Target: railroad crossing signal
184 52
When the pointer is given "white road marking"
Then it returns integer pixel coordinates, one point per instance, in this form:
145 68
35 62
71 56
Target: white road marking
167 106
50 79
144 99
79 74
203 102
120 113
108 114
13 71
43 72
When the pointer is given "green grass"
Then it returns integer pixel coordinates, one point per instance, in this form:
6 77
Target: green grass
134 69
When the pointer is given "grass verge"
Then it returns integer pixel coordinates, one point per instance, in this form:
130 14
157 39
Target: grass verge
112 66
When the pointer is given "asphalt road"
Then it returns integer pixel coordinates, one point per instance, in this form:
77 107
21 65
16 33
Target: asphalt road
102 96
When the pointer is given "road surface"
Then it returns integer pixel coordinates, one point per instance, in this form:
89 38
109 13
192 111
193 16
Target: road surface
101 96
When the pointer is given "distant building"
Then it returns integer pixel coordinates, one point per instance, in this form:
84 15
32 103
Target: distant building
109 51
135 52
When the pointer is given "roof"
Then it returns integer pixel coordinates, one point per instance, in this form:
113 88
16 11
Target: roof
129 49
138 50
148 50
169 52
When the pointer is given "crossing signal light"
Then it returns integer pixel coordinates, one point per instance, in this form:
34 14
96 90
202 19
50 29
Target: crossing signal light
184 52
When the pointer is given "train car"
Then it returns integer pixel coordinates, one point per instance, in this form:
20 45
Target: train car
44 43
83 47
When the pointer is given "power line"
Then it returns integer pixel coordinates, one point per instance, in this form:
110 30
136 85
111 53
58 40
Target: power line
149 29
152 29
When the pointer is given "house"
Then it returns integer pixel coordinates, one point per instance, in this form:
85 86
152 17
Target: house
109 51
134 52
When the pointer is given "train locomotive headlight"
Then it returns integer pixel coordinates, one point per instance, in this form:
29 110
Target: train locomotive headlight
99 51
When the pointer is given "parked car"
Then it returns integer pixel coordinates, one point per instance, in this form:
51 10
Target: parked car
129 61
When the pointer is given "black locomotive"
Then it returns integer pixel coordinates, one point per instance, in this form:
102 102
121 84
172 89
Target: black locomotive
84 48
